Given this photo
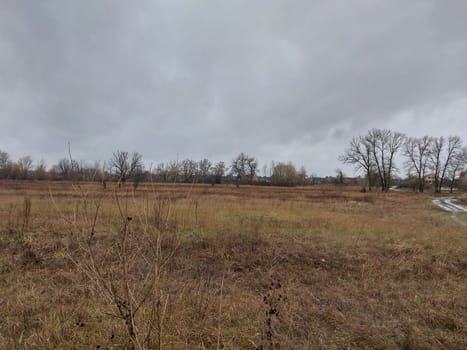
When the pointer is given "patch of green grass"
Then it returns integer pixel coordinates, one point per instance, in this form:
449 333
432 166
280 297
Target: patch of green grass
463 216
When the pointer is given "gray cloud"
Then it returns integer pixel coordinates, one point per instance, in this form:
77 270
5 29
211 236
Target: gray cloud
279 80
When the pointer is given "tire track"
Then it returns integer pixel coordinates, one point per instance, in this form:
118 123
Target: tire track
448 204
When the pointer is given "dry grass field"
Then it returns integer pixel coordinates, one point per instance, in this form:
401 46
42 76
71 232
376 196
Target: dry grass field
220 267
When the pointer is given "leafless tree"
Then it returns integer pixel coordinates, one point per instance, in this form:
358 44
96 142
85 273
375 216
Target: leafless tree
252 164
126 166
441 157
418 151
189 170
384 144
4 164
24 166
302 175
161 172
219 170
68 168
41 170
4 159
244 168
359 154
174 171
204 168
458 164
339 177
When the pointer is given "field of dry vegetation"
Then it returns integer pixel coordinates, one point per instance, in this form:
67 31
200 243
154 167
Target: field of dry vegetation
220 267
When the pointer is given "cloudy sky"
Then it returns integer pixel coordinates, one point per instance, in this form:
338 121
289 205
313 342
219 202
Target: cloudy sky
278 80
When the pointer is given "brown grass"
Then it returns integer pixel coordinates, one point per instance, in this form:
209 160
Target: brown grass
247 268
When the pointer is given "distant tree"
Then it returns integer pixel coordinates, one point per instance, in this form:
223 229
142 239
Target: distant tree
457 166
104 174
40 171
219 170
68 169
167 172
174 171
24 166
4 159
463 181
265 171
359 153
442 155
5 164
384 144
244 168
15 171
189 170
90 172
418 152
436 161
64 168
374 153
53 172
339 177
239 167
161 173
284 174
125 166
252 164
302 175
204 167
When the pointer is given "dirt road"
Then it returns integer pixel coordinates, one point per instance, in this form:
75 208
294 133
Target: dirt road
449 204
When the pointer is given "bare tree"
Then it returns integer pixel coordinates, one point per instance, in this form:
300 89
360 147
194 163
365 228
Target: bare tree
161 172
458 164
244 168
418 151
339 177
174 171
4 159
68 168
384 144
204 167
90 172
41 170
302 175
252 164
442 155
189 170
124 166
24 166
5 164
219 170
64 167
239 167
359 154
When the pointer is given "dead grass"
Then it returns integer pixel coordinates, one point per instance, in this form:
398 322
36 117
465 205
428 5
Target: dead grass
462 199
356 270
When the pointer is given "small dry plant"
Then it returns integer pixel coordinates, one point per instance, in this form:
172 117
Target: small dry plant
123 261
19 217
272 300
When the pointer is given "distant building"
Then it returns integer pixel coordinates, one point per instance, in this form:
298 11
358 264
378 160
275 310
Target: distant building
430 179
352 181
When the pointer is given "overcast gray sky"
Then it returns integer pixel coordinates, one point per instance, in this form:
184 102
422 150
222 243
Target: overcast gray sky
279 80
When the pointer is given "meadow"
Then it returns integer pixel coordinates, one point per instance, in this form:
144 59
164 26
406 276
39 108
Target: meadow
221 267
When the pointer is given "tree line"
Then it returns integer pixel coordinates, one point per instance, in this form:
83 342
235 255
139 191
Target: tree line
124 166
438 161
435 161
